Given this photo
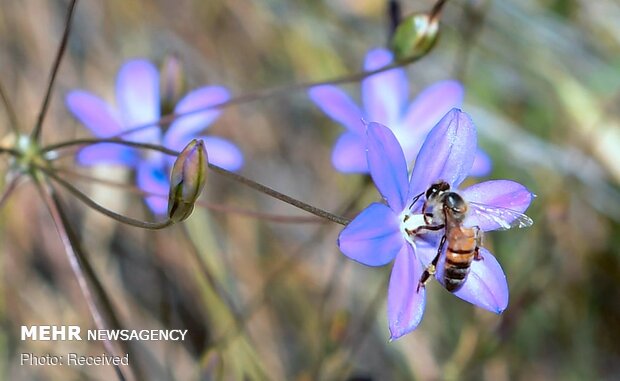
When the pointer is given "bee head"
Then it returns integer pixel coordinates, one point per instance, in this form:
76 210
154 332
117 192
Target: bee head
436 189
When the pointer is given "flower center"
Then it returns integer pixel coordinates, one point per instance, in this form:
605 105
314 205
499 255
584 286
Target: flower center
410 222
30 155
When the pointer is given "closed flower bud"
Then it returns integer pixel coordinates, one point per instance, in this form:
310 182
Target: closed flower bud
415 35
187 180
172 83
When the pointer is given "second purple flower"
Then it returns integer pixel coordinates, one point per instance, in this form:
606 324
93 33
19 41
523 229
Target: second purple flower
138 103
385 100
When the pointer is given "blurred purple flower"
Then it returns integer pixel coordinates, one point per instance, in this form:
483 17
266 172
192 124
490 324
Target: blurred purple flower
385 100
138 103
377 235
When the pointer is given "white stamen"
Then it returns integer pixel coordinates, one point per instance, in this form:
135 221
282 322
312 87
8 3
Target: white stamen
410 222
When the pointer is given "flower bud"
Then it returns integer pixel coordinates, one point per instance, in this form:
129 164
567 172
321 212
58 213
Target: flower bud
172 83
415 35
187 180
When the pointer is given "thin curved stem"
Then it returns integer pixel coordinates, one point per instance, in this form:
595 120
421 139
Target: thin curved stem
53 207
93 141
244 180
92 204
11 151
436 11
280 196
36 132
9 189
271 93
208 205
10 111
283 90
111 183
277 218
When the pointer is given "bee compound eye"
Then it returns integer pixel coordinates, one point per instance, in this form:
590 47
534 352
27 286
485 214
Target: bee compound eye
437 188
454 202
430 192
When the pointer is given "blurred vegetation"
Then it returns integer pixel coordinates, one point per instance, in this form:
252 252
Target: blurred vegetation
268 300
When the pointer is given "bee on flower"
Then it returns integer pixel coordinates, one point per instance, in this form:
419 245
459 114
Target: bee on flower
382 233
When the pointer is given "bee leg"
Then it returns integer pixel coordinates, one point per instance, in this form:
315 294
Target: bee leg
425 227
432 268
477 256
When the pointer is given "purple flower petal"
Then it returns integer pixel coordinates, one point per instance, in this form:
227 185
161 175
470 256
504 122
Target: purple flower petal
405 302
387 165
431 105
373 238
447 154
93 113
426 247
424 113
482 164
486 284
223 153
410 141
505 194
185 128
137 94
349 154
338 106
152 178
107 153
384 94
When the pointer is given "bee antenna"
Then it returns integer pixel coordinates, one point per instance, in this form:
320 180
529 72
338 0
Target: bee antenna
415 199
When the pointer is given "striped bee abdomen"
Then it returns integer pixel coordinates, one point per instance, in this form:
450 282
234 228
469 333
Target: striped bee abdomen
459 255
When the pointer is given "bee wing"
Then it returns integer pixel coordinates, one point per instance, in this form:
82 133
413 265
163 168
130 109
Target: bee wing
489 217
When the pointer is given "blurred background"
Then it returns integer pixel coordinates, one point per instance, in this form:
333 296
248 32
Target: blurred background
274 299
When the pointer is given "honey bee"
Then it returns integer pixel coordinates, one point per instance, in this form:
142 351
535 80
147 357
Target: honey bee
445 209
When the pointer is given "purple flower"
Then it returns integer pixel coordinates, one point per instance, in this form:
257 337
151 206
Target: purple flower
385 100
377 235
138 103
